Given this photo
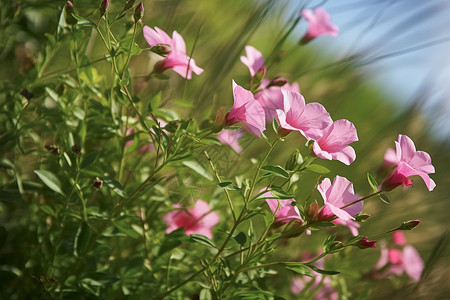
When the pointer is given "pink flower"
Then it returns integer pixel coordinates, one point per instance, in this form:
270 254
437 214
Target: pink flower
308 119
177 59
395 262
352 225
335 140
399 238
271 97
409 163
197 220
337 195
254 60
247 110
319 24
230 137
285 211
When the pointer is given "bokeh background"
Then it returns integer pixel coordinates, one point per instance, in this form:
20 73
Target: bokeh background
387 72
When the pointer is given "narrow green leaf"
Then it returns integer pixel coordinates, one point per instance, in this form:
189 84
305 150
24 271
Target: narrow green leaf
172 240
199 238
299 268
125 228
89 159
325 272
318 169
240 238
198 168
48 210
82 239
228 185
385 199
50 180
372 182
276 170
279 193
115 186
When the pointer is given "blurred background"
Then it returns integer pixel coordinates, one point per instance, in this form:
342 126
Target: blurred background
387 71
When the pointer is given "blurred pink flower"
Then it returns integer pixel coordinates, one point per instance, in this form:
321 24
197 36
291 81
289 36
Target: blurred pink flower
399 238
231 137
337 195
254 60
409 163
176 59
197 220
394 262
335 140
247 110
352 225
286 211
270 96
319 24
308 119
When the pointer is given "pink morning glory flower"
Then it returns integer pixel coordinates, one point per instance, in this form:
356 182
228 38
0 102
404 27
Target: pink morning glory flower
337 195
271 97
394 262
319 23
176 59
285 211
335 140
308 119
247 110
350 224
254 60
197 220
230 138
409 163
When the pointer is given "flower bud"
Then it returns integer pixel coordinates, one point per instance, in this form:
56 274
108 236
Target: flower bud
76 149
283 132
364 243
312 211
220 120
261 73
27 94
53 149
68 14
97 183
362 217
103 7
336 246
138 12
409 225
278 81
129 4
291 163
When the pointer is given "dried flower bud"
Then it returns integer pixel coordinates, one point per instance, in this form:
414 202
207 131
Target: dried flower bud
76 149
97 183
103 7
220 120
409 225
53 149
68 14
129 4
138 12
364 243
27 94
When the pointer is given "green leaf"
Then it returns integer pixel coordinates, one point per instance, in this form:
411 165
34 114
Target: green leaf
172 240
325 272
385 199
240 238
82 239
372 182
318 169
199 238
89 159
228 185
50 180
299 268
125 228
48 210
83 21
198 168
276 170
115 186
279 193
328 242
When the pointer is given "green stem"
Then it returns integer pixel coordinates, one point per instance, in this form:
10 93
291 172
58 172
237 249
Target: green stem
362 199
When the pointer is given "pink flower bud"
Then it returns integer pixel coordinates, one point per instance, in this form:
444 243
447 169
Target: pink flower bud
138 12
68 14
364 243
103 7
